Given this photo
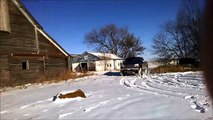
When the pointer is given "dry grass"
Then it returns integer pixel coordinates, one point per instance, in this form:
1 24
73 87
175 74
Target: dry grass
173 68
48 77
69 75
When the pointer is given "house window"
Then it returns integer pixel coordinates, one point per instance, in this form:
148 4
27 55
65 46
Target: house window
110 65
118 64
25 65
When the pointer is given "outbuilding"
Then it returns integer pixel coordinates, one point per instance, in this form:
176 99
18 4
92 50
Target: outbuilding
94 61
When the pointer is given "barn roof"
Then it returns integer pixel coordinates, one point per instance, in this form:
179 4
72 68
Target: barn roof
105 55
33 21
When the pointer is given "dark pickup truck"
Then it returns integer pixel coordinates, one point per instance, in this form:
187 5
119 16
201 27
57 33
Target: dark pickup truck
134 65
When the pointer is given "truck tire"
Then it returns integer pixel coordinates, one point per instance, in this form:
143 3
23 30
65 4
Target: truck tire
146 70
122 73
140 72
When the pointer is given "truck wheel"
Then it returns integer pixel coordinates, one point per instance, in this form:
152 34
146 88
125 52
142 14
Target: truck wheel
122 74
146 70
140 73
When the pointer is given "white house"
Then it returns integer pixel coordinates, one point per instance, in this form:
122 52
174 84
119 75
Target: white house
92 61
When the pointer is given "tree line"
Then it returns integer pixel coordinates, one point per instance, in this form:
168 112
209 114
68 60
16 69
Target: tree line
179 38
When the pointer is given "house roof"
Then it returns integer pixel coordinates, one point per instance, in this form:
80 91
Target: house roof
105 55
32 20
76 58
75 55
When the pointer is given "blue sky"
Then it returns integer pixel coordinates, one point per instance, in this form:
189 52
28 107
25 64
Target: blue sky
67 21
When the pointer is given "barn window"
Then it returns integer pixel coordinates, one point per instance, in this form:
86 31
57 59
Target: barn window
25 65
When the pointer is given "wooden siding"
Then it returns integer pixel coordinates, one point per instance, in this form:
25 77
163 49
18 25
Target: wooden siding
46 47
38 66
22 36
17 73
4 16
4 68
24 43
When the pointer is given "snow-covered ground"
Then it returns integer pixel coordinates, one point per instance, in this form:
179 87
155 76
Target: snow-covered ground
110 96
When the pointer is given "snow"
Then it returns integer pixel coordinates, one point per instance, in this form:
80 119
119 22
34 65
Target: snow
157 96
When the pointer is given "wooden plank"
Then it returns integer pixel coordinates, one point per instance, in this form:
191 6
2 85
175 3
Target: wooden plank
68 63
4 16
36 40
4 68
22 36
23 44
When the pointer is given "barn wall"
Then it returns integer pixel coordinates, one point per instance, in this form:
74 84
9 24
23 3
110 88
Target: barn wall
4 16
24 43
55 66
18 74
4 68
46 47
39 68
22 36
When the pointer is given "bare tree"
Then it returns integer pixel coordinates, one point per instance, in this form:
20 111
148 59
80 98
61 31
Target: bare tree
115 40
130 46
180 38
190 14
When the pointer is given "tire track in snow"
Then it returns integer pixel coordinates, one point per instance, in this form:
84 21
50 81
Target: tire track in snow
3 112
178 82
126 102
148 88
64 115
175 90
172 81
30 106
151 87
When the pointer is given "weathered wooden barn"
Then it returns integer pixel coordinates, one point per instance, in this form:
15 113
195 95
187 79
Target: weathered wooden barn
91 61
27 52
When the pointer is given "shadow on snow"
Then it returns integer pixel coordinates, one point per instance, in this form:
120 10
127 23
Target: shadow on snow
112 74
